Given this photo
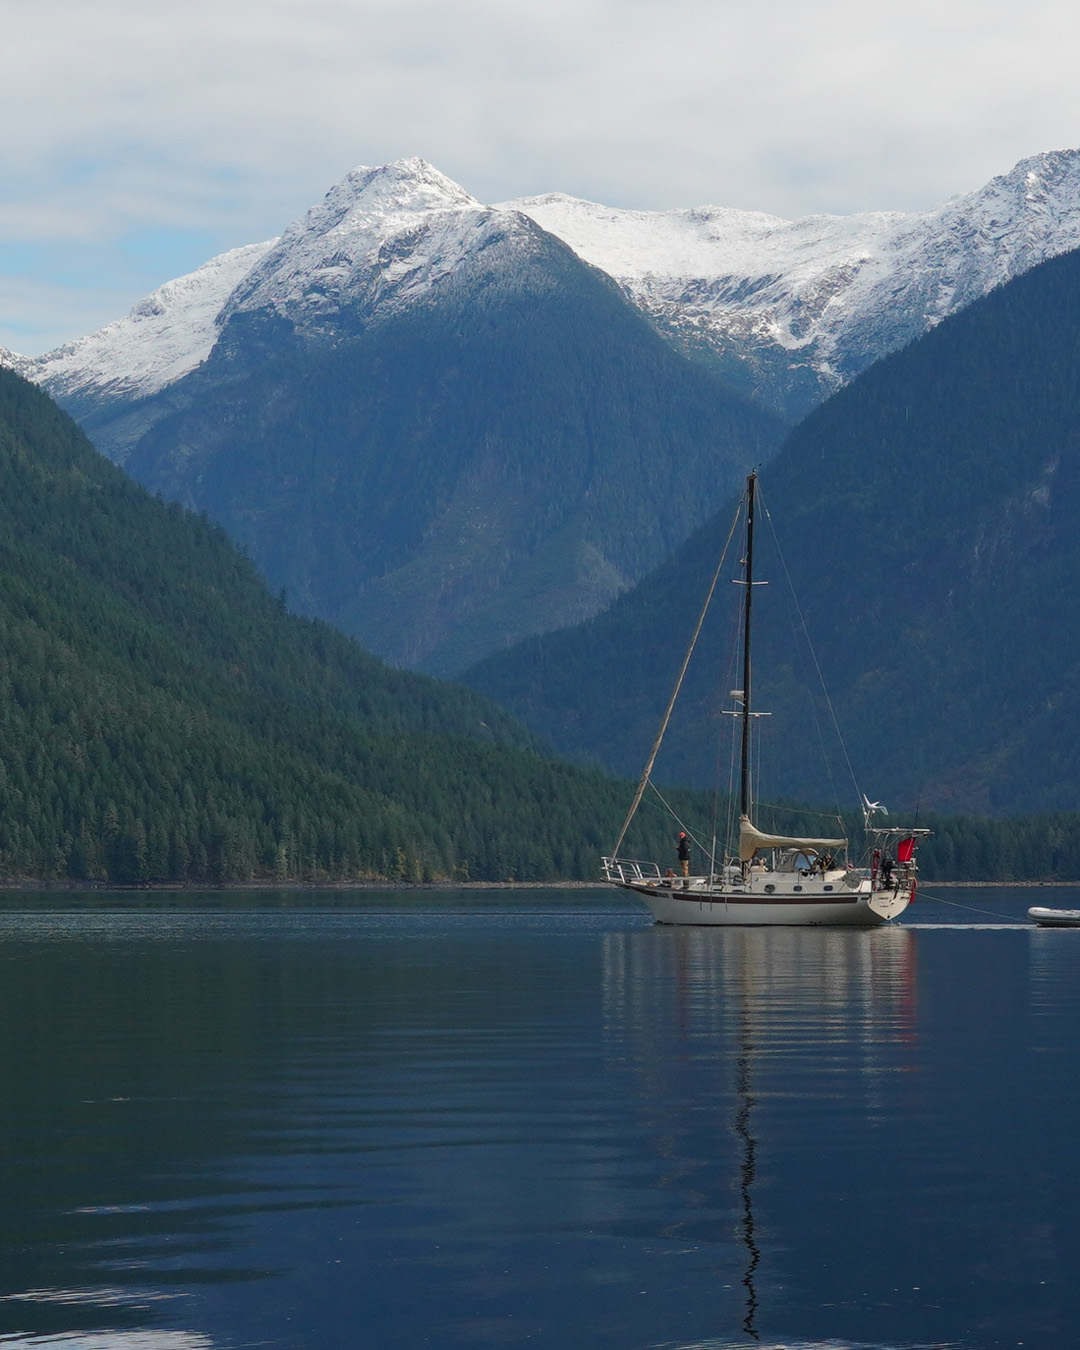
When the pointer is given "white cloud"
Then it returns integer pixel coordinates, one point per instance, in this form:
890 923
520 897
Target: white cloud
218 121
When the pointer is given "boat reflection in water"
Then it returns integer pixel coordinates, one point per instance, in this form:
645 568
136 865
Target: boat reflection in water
757 1052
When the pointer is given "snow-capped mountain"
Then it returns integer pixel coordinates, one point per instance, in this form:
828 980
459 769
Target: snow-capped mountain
787 310
418 414
804 305
156 344
382 240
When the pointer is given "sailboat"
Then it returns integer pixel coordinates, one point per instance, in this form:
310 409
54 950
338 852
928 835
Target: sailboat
771 878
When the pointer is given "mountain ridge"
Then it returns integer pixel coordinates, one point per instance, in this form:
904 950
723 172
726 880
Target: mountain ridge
788 310
831 293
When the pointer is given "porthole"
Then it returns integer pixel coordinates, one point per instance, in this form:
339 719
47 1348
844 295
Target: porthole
769 889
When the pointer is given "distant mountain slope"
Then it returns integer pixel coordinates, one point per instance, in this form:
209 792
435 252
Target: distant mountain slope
440 438
928 514
163 717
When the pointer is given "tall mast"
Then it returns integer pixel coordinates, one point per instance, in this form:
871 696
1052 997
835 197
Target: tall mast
748 582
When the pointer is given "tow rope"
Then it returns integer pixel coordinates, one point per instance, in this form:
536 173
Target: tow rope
971 909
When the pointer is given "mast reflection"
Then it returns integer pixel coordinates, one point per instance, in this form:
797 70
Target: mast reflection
718 1025
746 1174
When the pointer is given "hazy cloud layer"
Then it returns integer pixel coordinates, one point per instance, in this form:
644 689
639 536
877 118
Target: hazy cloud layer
139 140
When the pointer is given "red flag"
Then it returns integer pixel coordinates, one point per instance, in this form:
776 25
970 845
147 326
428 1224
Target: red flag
905 849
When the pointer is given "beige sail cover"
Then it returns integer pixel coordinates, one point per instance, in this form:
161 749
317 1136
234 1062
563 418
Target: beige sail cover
751 839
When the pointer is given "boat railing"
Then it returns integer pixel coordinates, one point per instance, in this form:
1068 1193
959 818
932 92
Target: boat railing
626 871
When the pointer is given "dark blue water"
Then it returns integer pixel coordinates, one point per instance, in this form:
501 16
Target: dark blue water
534 1119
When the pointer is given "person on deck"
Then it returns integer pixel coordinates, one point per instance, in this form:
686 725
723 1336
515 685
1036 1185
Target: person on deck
684 853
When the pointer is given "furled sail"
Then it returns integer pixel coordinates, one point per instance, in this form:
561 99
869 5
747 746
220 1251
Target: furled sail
751 839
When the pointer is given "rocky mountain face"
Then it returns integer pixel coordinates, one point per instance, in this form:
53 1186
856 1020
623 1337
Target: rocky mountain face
790 311
926 516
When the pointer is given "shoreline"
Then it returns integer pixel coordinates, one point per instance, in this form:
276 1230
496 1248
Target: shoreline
180 887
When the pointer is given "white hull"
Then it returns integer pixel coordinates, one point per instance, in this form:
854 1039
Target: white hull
700 903
1055 918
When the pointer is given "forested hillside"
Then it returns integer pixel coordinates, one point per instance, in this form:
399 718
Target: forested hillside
163 717
928 519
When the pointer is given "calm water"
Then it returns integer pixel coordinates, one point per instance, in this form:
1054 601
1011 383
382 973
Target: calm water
533 1119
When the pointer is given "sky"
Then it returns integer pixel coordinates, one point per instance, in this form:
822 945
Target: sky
140 140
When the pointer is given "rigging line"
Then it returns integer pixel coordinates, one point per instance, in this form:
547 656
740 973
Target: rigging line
675 815
834 817
972 909
684 826
675 692
810 647
801 810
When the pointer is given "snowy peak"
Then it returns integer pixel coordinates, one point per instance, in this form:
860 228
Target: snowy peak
406 185
1020 217
166 335
304 273
379 239
1046 180
374 202
26 366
